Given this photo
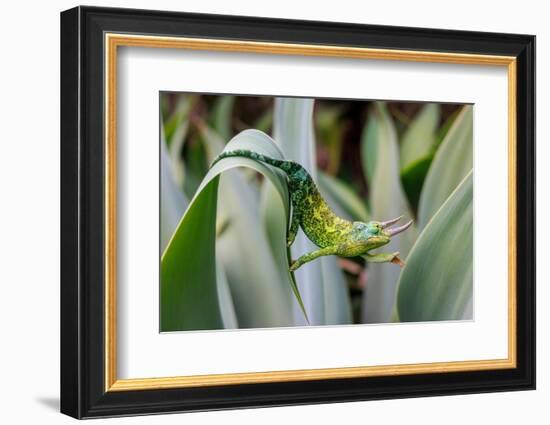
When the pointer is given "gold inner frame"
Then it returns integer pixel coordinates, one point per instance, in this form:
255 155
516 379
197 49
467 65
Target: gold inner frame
113 41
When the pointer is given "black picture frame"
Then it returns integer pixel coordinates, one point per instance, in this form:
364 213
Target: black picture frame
83 392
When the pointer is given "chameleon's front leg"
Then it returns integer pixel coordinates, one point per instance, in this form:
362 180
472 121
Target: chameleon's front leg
384 258
310 256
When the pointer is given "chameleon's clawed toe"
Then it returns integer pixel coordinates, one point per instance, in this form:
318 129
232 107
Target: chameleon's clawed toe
397 260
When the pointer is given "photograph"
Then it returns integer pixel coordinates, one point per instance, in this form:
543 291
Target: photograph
288 211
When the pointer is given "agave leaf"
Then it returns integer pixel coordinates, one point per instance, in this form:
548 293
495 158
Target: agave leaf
189 293
419 138
444 129
173 123
341 198
320 279
387 200
180 119
452 161
276 229
417 147
437 281
176 129
213 143
172 200
265 122
413 178
330 129
227 309
173 203
245 238
369 146
293 131
221 116
196 166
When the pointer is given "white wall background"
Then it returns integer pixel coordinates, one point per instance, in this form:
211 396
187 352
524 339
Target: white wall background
29 223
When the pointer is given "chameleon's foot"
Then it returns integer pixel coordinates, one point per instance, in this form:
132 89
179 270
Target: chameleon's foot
385 258
398 261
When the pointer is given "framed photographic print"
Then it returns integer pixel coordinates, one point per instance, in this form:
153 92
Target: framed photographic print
262 212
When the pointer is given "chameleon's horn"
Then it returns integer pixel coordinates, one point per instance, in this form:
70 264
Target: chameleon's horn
385 224
395 230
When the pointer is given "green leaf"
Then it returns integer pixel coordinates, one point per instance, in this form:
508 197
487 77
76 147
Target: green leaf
173 203
189 294
265 121
452 161
196 166
176 129
417 147
437 281
173 123
262 290
330 129
241 207
387 200
227 309
341 198
418 140
266 277
172 200
413 179
442 132
276 226
222 116
321 282
369 146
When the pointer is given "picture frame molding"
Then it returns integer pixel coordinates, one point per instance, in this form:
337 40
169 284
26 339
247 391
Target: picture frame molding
90 38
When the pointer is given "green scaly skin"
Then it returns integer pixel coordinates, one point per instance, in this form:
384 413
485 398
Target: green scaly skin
332 234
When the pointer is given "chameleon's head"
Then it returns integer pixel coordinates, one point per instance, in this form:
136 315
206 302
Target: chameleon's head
379 233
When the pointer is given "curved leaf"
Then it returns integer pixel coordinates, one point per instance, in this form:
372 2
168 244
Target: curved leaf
189 295
172 200
227 309
330 130
444 129
369 146
452 161
417 147
437 281
419 138
175 126
244 238
387 200
173 203
413 179
176 129
221 116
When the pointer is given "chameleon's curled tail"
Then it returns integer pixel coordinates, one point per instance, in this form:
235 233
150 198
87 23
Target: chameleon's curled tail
286 166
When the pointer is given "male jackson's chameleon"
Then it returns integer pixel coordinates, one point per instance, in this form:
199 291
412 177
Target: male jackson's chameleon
332 234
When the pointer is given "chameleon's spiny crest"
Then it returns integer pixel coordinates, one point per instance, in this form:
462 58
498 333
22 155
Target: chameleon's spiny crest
332 234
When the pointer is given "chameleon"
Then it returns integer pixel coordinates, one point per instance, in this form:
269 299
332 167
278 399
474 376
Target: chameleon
333 235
